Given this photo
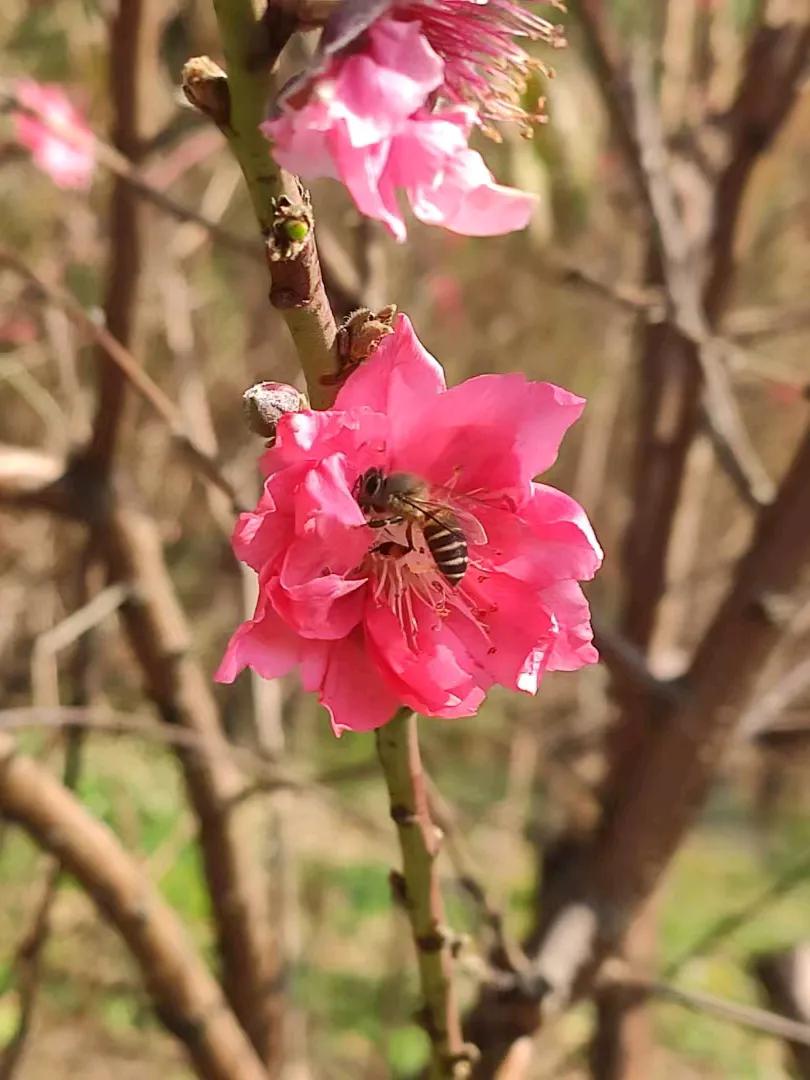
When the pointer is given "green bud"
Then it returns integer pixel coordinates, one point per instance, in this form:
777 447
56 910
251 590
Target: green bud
297 231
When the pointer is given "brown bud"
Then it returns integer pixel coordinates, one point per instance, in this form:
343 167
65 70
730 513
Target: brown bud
265 404
357 338
205 85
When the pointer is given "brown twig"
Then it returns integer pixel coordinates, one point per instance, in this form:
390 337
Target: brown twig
784 977
129 32
792 876
666 786
29 954
131 551
139 181
185 995
111 349
128 546
769 1023
109 722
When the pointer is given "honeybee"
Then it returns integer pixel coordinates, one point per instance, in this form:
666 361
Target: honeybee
401 497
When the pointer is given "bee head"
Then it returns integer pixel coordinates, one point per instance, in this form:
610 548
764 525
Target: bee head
369 488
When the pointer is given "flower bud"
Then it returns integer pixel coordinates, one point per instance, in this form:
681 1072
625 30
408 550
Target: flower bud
265 404
205 85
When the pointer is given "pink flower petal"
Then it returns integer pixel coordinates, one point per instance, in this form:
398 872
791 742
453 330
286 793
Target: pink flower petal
362 170
261 537
264 643
469 202
516 623
447 183
573 647
492 433
436 677
325 608
352 691
378 88
61 143
549 538
331 538
309 436
398 379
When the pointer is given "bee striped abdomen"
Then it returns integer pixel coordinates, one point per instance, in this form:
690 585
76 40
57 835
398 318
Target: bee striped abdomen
448 546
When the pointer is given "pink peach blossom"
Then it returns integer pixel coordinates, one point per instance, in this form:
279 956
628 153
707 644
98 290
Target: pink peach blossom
55 133
372 628
391 99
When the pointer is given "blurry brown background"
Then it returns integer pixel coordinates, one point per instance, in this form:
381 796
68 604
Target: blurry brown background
567 301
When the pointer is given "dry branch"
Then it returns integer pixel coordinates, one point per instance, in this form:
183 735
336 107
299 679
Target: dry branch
156 627
128 546
109 348
186 997
130 31
662 754
785 977
666 786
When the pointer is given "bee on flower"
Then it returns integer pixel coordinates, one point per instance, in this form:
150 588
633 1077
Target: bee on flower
405 554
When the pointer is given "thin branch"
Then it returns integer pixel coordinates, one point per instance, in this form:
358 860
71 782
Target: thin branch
749 325
749 1016
785 977
186 997
297 286
764 711
507 954
134 177
398 748
28 958
628 663
129 33
130 548
110 348
109 722
649 303
724 423
789 878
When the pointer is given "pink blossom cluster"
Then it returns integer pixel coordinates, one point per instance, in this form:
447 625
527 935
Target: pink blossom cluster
363 612
391 100
55 133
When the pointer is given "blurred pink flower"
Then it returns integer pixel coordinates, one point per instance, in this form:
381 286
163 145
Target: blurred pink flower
56 134
372 625
391 98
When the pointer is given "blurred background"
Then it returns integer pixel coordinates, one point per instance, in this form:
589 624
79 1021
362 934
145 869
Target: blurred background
571 300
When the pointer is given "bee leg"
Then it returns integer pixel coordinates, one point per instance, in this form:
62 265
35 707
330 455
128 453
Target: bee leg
380 523
409 537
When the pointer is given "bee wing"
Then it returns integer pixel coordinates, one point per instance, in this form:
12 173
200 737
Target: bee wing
470 525
473 529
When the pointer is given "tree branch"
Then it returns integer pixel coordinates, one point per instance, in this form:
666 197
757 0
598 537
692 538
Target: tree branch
297 286
130 548
129 33
185 995
398 748
109 348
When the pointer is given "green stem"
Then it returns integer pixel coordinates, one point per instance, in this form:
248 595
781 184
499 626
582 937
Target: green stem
419 839
297 289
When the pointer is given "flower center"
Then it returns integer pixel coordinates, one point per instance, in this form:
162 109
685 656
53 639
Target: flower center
403 570
484 66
